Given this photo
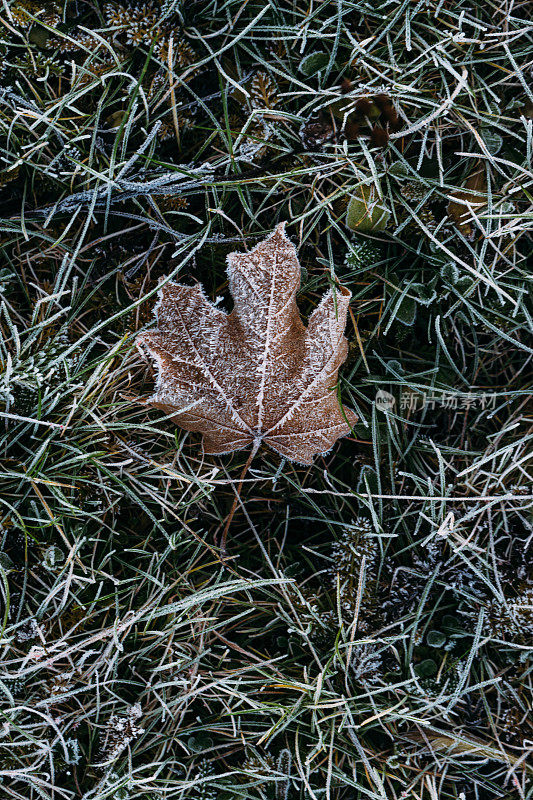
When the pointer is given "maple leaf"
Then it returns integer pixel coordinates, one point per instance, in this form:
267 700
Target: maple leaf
257 374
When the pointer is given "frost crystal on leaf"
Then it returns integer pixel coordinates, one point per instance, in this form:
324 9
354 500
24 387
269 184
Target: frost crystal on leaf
28 631
366 662
121 730
257 374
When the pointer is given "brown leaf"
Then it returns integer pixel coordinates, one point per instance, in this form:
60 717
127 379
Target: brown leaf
257 374
467 201
263 91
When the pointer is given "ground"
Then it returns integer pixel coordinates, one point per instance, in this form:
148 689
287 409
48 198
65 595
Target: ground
368 634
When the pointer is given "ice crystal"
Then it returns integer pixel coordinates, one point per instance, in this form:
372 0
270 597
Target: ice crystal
263 91
32 368
366 662
28 631
121 730
137 23
253 145
511 619
202 788
356 546
23 12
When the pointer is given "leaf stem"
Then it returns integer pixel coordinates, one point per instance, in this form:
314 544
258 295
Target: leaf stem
231 514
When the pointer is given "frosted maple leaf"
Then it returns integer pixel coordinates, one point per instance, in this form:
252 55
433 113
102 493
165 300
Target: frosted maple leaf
257 374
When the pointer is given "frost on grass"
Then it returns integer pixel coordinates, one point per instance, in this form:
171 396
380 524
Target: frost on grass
143 139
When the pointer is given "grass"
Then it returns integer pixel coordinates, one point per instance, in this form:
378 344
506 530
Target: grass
370 634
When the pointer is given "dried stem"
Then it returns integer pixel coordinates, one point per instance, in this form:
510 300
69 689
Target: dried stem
231 514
